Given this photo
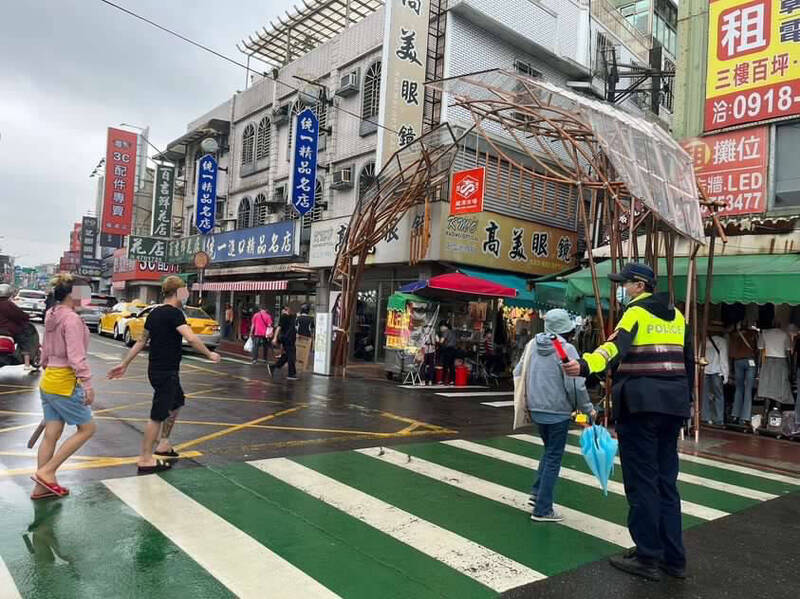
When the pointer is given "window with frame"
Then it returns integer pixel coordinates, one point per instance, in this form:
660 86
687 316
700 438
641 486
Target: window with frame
260 210
315 213
525 68
264 139
787 177
321 112
297 108
243 214
667 84
365 180
370 102
248 144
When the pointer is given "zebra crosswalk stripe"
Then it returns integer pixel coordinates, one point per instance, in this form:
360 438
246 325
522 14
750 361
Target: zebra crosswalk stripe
693 509
479 563
235 559
682 476
585 523
8 589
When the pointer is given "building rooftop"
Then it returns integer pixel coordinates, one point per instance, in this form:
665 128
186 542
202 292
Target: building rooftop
311 25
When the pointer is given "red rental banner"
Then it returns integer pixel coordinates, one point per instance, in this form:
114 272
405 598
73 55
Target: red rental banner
732 167
466 192
119 185
126 269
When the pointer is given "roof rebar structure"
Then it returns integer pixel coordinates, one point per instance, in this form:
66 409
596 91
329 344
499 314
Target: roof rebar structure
310 26
412 176
626 173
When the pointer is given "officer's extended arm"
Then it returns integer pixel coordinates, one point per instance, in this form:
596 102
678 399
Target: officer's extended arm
612 350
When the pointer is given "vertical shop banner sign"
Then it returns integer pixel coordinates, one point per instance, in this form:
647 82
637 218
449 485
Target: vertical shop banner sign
88 238
303 171
753 61
206 194
405 50
147 248
162 201
119 182
500 242
732 168
466 191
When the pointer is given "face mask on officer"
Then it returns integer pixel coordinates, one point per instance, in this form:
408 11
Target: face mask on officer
622 295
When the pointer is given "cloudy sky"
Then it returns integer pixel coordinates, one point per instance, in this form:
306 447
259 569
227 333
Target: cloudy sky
72 68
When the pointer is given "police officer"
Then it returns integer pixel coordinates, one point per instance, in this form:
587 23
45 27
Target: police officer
652 359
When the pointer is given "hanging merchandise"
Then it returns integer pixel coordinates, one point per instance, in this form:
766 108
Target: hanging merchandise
774 420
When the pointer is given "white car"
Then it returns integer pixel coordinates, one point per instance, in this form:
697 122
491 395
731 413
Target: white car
31 301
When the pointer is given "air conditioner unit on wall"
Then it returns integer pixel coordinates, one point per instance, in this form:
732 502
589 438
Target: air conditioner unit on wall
348 85
280 114
343 178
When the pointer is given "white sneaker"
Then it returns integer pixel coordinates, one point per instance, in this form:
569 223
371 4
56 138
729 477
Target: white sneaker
551 517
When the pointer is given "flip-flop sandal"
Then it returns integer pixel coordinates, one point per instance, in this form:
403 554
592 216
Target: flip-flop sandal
167 454
54 488
44 495
160 466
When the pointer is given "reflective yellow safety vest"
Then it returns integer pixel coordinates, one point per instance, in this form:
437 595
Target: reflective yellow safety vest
646 344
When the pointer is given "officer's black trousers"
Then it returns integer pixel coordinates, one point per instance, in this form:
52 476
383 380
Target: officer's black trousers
648 444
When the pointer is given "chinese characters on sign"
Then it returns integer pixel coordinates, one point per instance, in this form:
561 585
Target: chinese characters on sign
466 191
88 238
405 50
162 201
753 61
278 240
303 172
206 194
501 242
147 248
119 182
732 167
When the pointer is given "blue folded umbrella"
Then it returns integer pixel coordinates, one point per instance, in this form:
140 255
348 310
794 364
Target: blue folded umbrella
599 449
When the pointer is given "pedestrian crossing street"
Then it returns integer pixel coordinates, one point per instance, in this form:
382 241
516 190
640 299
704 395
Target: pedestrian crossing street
435 519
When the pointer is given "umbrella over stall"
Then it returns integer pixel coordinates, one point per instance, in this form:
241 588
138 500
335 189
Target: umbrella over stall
457 283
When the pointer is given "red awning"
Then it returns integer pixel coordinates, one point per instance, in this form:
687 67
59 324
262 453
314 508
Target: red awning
243 286
460 283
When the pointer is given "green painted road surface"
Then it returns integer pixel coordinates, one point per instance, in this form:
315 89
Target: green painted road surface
445 519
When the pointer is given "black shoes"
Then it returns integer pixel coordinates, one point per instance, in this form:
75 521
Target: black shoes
679 573
629 562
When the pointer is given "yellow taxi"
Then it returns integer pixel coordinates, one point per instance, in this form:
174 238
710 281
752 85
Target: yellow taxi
115 321
202 325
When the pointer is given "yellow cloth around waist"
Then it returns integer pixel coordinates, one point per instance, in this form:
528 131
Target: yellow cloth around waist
59 381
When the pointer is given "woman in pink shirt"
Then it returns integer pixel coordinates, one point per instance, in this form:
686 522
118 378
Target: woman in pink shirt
261 330
66 387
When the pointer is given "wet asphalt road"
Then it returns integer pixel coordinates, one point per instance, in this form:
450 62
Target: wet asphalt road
236 411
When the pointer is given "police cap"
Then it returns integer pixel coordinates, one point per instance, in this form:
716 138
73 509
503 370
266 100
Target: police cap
635 271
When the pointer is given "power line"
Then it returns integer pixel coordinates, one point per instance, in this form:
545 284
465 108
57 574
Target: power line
229 59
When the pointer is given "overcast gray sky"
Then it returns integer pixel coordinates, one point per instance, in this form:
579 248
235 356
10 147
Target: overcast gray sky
72 68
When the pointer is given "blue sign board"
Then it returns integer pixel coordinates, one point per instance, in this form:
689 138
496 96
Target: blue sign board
278 240
303 174
206 194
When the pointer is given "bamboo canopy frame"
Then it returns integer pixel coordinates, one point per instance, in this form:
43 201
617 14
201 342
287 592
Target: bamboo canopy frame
626 172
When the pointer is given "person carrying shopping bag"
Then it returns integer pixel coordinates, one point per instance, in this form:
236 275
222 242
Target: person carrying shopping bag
261 333
66 387
544 395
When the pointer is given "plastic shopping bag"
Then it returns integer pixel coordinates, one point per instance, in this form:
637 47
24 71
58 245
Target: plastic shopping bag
248 345
599 449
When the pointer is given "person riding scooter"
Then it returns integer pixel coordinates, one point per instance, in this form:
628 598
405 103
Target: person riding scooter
15 323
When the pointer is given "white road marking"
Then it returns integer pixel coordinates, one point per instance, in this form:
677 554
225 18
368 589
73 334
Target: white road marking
498 404
496 571
687 507
682 476
238 561
585 523
8 589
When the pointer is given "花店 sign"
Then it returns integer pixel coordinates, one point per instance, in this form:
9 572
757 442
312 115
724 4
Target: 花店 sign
495 241
206 194
303 170
147 248
405 50
162 201
466 191
119 183
753 61
732 167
